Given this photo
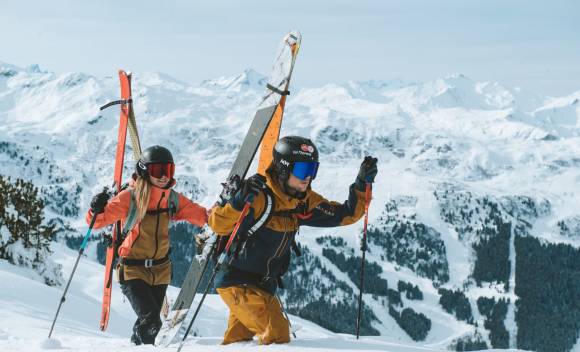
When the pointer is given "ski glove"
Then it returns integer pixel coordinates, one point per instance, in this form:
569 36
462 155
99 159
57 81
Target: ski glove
367 173
230 188
250 188
99 202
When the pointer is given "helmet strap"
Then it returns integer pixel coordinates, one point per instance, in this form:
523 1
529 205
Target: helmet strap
142 172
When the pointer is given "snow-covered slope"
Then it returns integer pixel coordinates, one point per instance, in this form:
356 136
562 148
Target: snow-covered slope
27 308
458 162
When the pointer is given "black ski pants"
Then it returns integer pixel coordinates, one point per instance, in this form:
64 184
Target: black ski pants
146 301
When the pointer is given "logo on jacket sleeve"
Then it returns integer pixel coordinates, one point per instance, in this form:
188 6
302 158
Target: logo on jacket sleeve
326 208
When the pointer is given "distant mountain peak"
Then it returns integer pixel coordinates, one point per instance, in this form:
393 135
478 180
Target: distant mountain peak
35 68
248 79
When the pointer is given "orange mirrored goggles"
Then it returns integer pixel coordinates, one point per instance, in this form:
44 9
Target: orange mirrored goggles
159 170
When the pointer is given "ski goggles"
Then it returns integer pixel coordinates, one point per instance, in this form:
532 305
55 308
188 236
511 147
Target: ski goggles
303 169
159 170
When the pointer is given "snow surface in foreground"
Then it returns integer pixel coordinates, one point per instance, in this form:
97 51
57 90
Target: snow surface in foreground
27 308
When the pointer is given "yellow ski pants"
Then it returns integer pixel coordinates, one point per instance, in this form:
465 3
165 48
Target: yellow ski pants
254 312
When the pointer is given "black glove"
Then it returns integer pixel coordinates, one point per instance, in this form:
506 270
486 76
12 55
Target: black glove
367 173
230 188
250 188
100 201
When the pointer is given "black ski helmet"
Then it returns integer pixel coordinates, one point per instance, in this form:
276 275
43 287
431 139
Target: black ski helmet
153 155
290 149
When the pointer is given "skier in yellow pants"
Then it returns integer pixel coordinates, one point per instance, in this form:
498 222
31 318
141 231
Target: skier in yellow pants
282 202
254 312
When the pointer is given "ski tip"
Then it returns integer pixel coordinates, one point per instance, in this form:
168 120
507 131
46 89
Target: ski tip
125 73
294 37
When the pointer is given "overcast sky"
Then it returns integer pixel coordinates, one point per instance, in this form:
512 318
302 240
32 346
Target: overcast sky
532 44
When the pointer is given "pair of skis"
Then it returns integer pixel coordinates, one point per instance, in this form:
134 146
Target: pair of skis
264 130
126 123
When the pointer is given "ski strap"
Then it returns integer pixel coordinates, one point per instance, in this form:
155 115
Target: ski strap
116 102
276 90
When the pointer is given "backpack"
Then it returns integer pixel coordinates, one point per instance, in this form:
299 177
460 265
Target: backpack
257 225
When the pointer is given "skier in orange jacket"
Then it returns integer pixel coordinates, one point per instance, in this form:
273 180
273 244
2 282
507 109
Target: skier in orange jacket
144 268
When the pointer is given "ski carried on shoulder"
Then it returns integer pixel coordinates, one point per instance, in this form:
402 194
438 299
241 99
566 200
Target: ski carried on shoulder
126 123
264 130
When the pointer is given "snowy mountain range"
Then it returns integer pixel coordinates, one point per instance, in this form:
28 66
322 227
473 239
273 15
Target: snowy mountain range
474 225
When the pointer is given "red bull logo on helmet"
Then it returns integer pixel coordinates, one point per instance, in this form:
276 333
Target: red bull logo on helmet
307 148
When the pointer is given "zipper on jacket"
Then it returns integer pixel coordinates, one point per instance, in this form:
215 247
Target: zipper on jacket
157 226
156 234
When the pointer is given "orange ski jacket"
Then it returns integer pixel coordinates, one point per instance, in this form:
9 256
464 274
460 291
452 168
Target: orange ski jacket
149 238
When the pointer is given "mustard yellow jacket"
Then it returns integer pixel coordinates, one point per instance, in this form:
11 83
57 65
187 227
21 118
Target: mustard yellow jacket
266 255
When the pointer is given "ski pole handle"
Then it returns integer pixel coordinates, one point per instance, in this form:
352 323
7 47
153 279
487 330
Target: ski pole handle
368 197
88 234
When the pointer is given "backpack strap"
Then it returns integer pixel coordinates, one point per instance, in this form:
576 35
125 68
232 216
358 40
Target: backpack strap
173 203
131 219
257 225
265 217
266 214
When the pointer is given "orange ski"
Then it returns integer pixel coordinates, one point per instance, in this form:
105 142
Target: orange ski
126 111
273 132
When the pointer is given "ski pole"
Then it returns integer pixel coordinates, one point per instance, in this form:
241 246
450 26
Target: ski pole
221 260
285 314
81 251
363 247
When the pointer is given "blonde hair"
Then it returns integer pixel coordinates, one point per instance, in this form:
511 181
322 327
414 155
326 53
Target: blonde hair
142 192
